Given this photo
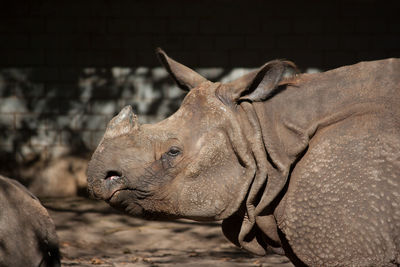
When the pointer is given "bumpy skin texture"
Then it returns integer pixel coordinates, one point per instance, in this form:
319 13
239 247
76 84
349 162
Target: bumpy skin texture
307 166
348 207
342 206
27 233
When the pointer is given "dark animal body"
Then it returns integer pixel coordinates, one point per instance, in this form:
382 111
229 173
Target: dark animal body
307 165
27 233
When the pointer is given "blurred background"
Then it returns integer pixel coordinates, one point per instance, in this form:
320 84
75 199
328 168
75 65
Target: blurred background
67 67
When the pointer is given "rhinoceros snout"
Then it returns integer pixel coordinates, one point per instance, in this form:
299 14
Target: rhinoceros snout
112 175
103 182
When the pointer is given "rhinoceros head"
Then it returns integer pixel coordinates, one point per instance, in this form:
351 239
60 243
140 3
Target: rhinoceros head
195 164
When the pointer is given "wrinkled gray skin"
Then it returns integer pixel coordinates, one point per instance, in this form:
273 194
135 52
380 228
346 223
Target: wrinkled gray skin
27 233
307 165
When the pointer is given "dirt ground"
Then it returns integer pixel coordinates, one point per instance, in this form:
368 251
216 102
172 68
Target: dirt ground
93 234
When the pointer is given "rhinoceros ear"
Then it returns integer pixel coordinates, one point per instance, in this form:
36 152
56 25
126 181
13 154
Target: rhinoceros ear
260 84
184 77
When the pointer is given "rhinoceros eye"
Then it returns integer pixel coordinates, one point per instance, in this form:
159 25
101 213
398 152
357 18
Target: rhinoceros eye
174 151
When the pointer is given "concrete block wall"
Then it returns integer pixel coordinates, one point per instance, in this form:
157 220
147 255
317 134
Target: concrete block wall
66 67
52 118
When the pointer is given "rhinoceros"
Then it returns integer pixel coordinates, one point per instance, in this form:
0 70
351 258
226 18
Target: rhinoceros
304 164
27 233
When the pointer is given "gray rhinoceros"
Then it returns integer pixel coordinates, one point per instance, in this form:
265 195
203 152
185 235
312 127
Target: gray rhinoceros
27 234
308 164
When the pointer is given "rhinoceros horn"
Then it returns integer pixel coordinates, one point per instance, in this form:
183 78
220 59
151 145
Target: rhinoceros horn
123 123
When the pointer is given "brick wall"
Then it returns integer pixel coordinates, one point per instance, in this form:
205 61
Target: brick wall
66 67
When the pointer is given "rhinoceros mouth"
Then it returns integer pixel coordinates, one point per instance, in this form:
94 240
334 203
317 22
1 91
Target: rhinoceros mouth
119 200
131 205
114 194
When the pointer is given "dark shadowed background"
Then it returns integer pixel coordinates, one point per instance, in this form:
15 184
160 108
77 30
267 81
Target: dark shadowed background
67 67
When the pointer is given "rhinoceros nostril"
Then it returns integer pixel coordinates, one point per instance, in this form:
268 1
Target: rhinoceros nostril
112 175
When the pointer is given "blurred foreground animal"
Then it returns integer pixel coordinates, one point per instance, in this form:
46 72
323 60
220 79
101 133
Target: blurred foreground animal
27 233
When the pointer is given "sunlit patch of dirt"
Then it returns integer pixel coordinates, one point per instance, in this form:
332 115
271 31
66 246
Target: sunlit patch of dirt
93 234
